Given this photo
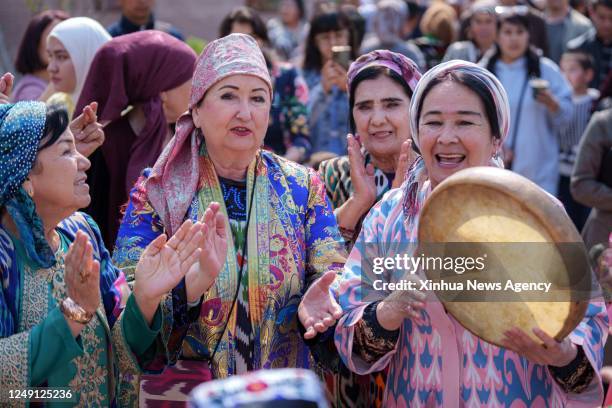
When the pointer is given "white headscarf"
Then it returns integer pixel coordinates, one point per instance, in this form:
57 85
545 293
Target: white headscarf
82 37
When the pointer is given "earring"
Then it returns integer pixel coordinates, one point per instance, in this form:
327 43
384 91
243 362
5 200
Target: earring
27 186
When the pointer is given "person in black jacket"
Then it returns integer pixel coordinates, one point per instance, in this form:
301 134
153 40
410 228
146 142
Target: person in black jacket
598 42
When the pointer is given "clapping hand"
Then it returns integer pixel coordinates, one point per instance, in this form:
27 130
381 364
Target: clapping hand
405 160
163 264
212 254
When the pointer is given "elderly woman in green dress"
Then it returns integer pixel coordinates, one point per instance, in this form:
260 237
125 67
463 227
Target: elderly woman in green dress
67 316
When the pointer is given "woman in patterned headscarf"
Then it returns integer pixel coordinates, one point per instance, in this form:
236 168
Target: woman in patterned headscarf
67 317
380 84
459 118
281 233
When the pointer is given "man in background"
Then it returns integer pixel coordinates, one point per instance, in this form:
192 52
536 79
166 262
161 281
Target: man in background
137 15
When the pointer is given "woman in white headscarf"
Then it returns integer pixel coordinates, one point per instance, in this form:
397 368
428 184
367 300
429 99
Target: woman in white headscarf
71 46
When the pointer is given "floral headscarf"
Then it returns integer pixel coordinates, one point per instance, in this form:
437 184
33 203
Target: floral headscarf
22 128
174 179
400 64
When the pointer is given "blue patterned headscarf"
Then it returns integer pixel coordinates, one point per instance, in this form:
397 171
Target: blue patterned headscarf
22 128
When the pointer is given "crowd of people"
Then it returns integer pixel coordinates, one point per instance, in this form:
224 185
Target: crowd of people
159 206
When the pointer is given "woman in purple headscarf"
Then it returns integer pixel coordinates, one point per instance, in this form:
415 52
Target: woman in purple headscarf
282 239
380 85
141 82
459 117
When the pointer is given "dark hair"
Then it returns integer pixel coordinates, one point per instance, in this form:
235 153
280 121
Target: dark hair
56 124
244 15
28 61
533 58
583 59
323 23
605 3
301 8
475 85
371 73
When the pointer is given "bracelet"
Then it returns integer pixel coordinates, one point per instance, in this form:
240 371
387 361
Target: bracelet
74 312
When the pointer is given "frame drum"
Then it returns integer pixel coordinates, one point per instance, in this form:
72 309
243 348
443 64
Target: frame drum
527 236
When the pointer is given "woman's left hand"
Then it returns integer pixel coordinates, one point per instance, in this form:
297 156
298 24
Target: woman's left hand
552 353
88 133
318 309
163 264
546 98
405 160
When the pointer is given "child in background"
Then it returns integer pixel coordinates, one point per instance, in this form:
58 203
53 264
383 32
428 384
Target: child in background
577 67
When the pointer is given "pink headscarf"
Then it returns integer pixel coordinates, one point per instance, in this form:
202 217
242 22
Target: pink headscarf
174 179
398 63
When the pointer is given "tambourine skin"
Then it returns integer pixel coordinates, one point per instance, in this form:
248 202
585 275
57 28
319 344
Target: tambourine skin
513 219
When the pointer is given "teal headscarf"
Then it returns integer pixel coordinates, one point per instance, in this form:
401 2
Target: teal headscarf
22 127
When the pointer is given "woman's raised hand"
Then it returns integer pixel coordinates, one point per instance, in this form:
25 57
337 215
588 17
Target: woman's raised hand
211 258
88 133
82 274
318 309
405 160
362 176
553 353
6 87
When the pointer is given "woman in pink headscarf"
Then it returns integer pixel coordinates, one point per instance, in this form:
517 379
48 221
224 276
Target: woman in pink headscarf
280 243
141 82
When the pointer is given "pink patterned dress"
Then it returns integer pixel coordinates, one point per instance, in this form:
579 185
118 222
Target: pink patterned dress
438 363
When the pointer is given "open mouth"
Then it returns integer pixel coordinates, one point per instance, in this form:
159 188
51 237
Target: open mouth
449 159
241 131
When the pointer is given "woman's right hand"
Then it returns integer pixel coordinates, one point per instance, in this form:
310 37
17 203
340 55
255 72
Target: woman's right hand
82 277
400 305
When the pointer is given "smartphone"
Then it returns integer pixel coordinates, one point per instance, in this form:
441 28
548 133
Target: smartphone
341 54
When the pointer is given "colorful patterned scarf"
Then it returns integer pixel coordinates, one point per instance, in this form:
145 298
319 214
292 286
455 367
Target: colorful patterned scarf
22 128
174 180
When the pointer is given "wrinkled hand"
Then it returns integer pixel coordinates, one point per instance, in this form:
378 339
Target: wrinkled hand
362 175
318 309
213 251
82 274
406 158
552 353
6 87
546 98
88 133
604 268
164 262
400 305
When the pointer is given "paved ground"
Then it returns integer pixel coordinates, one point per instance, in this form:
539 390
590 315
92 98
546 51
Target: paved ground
200 18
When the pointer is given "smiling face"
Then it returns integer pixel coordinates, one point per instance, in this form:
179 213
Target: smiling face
60 68
454 132
381 113
58 179
233 116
